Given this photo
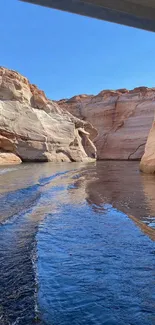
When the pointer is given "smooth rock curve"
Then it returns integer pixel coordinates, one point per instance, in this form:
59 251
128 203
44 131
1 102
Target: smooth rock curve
34 128
122 118
147 164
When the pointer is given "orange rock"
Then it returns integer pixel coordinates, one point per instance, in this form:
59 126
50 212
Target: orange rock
7 158
147 164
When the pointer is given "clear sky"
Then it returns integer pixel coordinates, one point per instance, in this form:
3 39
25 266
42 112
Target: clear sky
66 54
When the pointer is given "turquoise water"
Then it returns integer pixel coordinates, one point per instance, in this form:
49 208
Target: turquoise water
70 251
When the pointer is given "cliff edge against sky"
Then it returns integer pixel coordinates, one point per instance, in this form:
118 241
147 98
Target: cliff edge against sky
122 118
33 128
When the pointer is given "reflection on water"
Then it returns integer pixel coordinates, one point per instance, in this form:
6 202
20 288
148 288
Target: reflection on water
77 244
125 188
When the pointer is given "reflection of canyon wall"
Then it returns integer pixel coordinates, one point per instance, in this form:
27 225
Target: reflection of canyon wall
148 183
130 192
122 118
33 128
119 184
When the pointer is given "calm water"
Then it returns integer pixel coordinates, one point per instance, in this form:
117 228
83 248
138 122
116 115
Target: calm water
77 244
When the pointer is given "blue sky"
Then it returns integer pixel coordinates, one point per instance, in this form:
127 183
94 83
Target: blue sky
66 54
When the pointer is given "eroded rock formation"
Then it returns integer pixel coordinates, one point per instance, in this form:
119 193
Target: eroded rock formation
33 128
147 164
122 118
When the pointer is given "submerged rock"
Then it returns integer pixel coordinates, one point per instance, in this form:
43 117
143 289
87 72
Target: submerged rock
34 128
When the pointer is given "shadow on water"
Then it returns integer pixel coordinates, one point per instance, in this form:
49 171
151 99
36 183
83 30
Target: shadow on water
67 253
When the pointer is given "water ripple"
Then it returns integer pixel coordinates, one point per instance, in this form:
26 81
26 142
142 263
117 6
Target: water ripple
68 255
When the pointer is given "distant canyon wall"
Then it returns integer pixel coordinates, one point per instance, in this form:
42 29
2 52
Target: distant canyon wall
122 118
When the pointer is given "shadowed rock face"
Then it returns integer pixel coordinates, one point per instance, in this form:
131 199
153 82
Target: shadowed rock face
33 128
122 118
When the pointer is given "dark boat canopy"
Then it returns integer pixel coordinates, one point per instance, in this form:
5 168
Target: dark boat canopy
135 13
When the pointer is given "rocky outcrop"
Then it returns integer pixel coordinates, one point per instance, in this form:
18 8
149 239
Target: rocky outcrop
8 158
122 118
33 128
147 164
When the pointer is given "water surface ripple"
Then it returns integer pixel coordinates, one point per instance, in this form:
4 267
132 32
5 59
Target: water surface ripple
77 244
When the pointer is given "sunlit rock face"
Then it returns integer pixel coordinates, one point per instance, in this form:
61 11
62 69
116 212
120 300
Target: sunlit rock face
122 118
34 128
147 164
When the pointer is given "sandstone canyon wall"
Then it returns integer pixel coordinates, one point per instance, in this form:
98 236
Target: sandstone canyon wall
147 164
33 128
122 118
